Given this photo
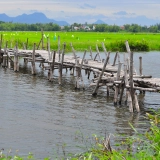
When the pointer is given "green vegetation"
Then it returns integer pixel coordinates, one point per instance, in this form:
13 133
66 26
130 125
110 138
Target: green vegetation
141 146
83 40
135 28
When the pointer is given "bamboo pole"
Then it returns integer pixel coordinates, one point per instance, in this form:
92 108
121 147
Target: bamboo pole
48 48
24 46
90 50
59 47
100 76
136 102
16 63
60 66
74 53
27 44
39 43
52 66
130 102
81 68
140 66
105 51
42 38
98 54
116 87
1 53
77 74
115 58
131 78
33 60
5 58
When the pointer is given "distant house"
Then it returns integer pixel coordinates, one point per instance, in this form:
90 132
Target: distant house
62 27
94 27
87 28
76 28
122 27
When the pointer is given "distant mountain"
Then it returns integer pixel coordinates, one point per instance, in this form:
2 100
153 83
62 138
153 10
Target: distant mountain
99 22
36 17
111 20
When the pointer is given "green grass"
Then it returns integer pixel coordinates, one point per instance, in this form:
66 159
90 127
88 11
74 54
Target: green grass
83 40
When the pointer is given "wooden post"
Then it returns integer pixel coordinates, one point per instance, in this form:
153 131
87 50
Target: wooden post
39 44
127 47
100 76
1 54
7 54
116 87
48 48
98 54
136 102
33 60
74 53
61 65
1 39
90 50
72 71
52 66
121 91
16 63
27 44
42 38
129 53
24 46
77 74
126 80
131 77
59 47
130 101
83 60
104 48
5 58
115 58
140 66
107 90
81 67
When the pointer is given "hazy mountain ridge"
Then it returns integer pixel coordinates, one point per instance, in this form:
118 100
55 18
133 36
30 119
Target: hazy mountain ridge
39 17
36 17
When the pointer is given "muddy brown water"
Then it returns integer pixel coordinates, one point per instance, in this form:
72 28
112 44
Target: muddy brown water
50 120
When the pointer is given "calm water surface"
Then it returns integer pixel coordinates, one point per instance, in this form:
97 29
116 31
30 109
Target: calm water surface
50 120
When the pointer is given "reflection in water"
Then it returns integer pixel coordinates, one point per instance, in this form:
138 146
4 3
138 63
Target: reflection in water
41 117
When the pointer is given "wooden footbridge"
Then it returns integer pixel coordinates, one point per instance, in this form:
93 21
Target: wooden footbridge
118 77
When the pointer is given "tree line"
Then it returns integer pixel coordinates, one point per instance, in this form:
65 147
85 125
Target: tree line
9 26
128 28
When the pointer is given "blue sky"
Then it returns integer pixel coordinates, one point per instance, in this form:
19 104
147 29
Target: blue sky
81 11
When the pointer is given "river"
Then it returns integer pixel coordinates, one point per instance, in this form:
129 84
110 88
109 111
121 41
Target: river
46 119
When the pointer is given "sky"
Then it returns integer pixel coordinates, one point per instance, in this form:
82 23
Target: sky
81 11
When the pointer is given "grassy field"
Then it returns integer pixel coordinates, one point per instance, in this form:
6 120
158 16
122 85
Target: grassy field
83 40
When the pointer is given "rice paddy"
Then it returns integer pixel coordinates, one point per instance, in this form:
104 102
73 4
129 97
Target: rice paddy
83 40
